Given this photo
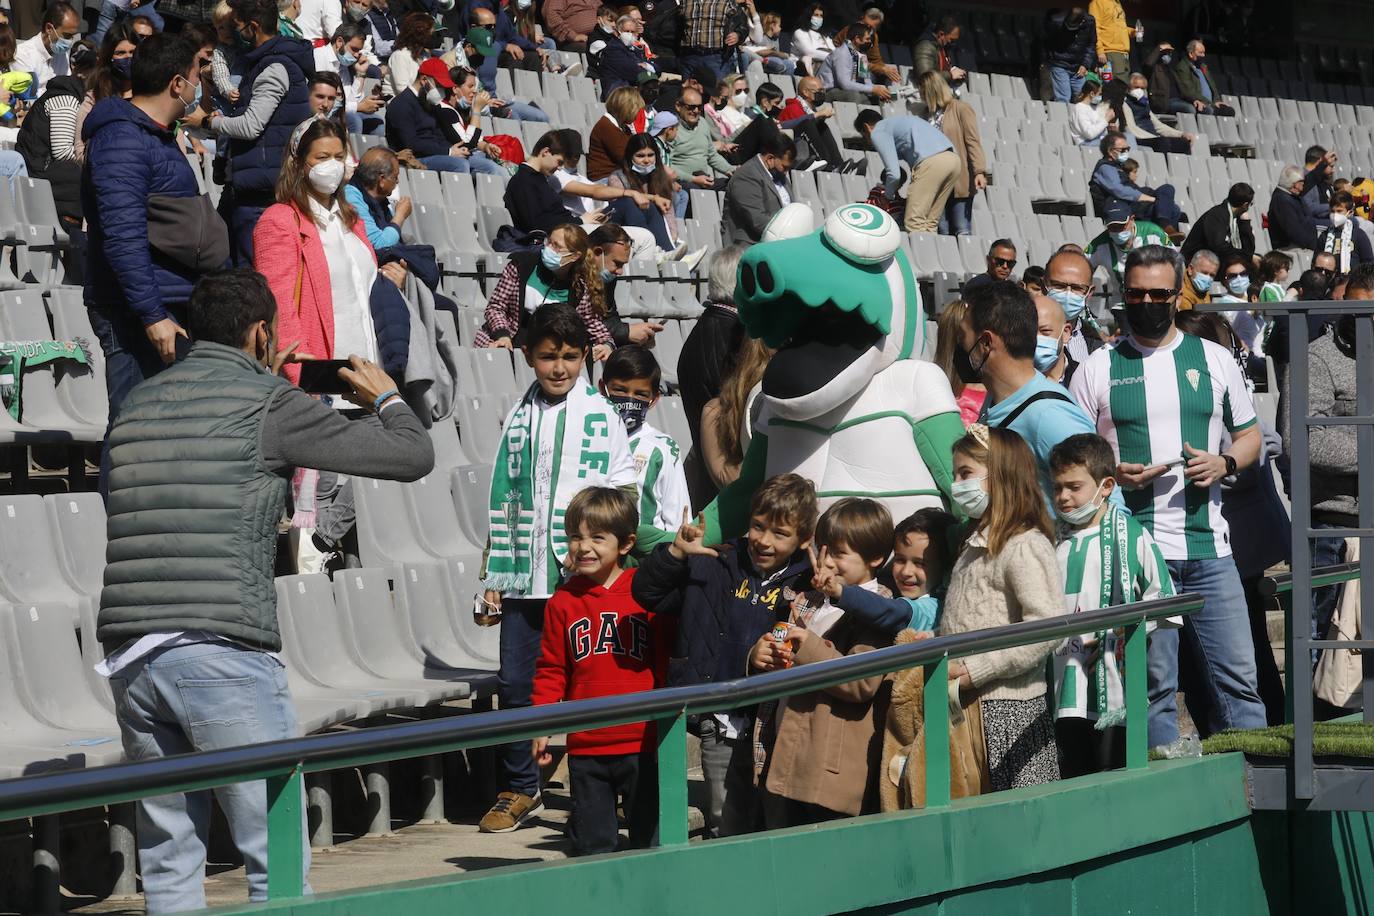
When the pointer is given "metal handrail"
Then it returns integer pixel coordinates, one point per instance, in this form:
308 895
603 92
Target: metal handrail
283 763
1282 584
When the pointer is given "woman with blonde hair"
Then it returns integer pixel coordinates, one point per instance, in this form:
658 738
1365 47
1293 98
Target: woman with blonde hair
565 269
606 143
959 122
969 393
727 421
1007 572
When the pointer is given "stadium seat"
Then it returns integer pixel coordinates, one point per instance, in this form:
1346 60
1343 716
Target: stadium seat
479 423
425 594
30 571
78 526
82 394
471 488
23 317
46 658
385 535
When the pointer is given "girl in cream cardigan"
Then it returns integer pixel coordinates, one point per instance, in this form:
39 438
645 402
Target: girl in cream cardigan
1007 572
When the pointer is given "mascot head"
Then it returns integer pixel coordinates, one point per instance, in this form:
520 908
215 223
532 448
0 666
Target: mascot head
839 304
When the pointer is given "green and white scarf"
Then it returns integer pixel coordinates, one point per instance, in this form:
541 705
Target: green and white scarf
18 356
577 459
1106 695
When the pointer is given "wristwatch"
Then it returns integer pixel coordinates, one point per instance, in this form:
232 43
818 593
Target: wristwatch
1230 464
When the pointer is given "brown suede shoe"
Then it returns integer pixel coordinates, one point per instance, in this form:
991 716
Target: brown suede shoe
509 812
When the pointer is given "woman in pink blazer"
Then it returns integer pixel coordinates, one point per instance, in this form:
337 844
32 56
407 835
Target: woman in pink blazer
313 250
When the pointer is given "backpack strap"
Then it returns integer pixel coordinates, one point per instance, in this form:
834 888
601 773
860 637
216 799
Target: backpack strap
1038 396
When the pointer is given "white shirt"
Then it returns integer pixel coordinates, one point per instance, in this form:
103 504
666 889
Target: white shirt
575 204
809 44
33 56
351 273
120 659
319 18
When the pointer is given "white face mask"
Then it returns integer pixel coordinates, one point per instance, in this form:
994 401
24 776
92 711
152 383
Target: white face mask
327 176
817 22
1338 219
1138 94
739 99
970 496
627 37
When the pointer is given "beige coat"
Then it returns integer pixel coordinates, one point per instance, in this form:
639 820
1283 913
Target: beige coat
960 125
828 742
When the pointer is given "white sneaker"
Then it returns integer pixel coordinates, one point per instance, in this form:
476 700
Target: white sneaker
816 165
678 251
693 259
573 69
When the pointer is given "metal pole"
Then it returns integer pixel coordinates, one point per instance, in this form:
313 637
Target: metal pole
1300 619
672 780
432 790
47 864
377 782
320 810
935 711
1364 400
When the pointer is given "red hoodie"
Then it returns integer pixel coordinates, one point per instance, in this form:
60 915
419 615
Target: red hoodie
599 643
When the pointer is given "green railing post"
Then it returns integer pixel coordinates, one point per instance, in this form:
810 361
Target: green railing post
285 835
672 780
935 701
1137 698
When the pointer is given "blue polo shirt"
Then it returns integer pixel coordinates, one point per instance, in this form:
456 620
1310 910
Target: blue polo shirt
1043 425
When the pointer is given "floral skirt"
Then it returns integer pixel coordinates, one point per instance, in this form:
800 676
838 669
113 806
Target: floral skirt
1020 742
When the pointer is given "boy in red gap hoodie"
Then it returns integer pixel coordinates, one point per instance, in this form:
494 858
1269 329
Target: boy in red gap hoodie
598 642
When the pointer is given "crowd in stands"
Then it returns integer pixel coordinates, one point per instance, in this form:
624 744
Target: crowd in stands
1110 455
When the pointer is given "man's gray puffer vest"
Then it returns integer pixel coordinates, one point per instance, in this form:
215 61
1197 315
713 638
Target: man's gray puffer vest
193 510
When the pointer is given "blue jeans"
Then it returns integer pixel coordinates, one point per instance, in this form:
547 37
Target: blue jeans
13 164
718 64
1178 106
111 13
129 359
1216 648
1325 552
476 161
1065 83
680 201
958 217
624 212
201 697
524 111
522 628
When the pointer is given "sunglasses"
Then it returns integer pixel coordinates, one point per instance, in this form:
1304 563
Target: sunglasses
1008 263
686 107
1138 294
1080 288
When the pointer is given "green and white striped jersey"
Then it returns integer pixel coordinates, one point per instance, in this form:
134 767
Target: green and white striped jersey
1080 560
662 482
1147 403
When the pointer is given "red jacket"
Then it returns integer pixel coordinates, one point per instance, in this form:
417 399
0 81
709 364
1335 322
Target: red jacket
599 643
792 110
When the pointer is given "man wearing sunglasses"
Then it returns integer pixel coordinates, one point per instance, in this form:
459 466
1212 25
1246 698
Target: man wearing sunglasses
1123 233
1165 400
1001 261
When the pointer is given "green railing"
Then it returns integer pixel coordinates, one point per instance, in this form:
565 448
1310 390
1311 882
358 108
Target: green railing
1281 587
283 764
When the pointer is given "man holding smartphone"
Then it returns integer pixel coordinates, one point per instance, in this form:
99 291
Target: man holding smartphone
1157 394
202 456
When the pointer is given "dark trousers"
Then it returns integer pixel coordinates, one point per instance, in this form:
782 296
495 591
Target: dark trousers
522 628
129 359
1163 210
625 212
241 226
1084 748
597 784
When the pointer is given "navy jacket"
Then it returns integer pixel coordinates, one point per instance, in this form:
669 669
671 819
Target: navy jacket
1066 48
130 158
618 66
257 163
410 126
1290 225
725 607
1363 253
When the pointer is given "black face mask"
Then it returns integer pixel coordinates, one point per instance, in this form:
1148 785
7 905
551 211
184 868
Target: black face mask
1149 319
1344 335
963 368
775 112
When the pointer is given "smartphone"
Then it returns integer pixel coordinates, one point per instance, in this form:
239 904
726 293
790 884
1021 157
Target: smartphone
321 376
1176 461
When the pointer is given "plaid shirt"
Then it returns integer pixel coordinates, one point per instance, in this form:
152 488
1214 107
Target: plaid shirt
706 22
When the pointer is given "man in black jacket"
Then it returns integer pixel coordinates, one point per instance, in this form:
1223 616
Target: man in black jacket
1226 228
1291 226
1070 50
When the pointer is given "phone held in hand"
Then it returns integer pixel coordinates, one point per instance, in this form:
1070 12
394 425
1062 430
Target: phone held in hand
321 376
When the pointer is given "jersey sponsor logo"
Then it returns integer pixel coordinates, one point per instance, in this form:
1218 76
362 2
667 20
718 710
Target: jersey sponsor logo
1129 380
613 635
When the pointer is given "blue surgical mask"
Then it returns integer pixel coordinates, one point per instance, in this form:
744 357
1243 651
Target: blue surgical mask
607 275
1121 237
123 68
1077 518
1072 303
642 169
61 46
550 258
1202 282
1123 156
347 59
970 496
1046 353
1166 59
1239 285
817 22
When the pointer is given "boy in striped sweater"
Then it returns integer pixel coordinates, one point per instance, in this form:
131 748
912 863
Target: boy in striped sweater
1107 559
631 380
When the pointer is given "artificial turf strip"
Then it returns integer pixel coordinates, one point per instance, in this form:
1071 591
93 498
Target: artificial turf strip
1329 739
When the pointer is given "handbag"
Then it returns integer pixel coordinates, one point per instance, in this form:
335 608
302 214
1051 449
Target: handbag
1339 678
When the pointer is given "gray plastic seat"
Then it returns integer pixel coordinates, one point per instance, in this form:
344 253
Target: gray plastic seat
34 746
82 393
380 632
314 628
44 654
433 517
78 525
479 424
30 571
425 593
386 536
448 448
24 317
471 487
